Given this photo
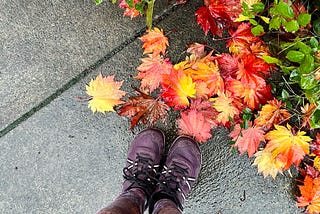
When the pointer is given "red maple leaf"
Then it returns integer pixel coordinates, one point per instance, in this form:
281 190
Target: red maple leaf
315 145
194 124
217 15
129 11
247 140
228 65
144 109
205 107
250 65
151 71
206 21
241 39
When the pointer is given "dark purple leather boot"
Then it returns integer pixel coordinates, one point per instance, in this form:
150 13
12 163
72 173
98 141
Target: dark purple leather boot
143 162
179 173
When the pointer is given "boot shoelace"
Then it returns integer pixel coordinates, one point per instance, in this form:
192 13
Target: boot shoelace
139 171
174 177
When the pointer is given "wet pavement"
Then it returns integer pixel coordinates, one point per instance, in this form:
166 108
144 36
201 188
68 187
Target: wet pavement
58 157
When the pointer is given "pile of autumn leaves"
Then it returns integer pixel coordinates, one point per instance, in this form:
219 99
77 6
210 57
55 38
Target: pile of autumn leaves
211 90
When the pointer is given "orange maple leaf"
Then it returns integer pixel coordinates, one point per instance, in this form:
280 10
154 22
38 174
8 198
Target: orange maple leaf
241 39
144 109
270 114
105 93
310 194
205 74
224 105
177 87
154 42
287 146
151 71
253 93
247 140
194 124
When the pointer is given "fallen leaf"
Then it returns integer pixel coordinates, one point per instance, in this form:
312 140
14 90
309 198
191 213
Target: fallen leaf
177 88
241 39
223 104
194 124
267 164
310 194
144 109
247 140
151 71
129 11
272 113
105 93
205 107
154 42
307 111
290 147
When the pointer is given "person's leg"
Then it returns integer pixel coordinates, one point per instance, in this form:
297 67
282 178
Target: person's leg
129 202
179 175
142 165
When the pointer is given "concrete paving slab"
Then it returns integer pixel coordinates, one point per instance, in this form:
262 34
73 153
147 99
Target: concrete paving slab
64 159
44 44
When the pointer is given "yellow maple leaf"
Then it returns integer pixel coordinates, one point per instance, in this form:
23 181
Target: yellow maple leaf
267 164
177 88
316 163
223 104
288 146
105 93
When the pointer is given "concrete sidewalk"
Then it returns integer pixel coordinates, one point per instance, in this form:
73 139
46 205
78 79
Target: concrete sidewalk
58 157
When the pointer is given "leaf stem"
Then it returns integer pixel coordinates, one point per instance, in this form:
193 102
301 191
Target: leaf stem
149 13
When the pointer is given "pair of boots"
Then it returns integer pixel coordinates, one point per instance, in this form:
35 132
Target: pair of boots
149 184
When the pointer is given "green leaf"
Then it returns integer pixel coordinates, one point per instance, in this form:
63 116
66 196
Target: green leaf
304 19
270 59
313 94
314 42
130 3
258 7
253 22
294 75
308 82
288 104
307 65
98 1
140 7
284 9
284 95
315 119
291 26
303 47
295 56
245 7
316 26
275 23
257 30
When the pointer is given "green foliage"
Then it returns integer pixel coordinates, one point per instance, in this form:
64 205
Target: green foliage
98 1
